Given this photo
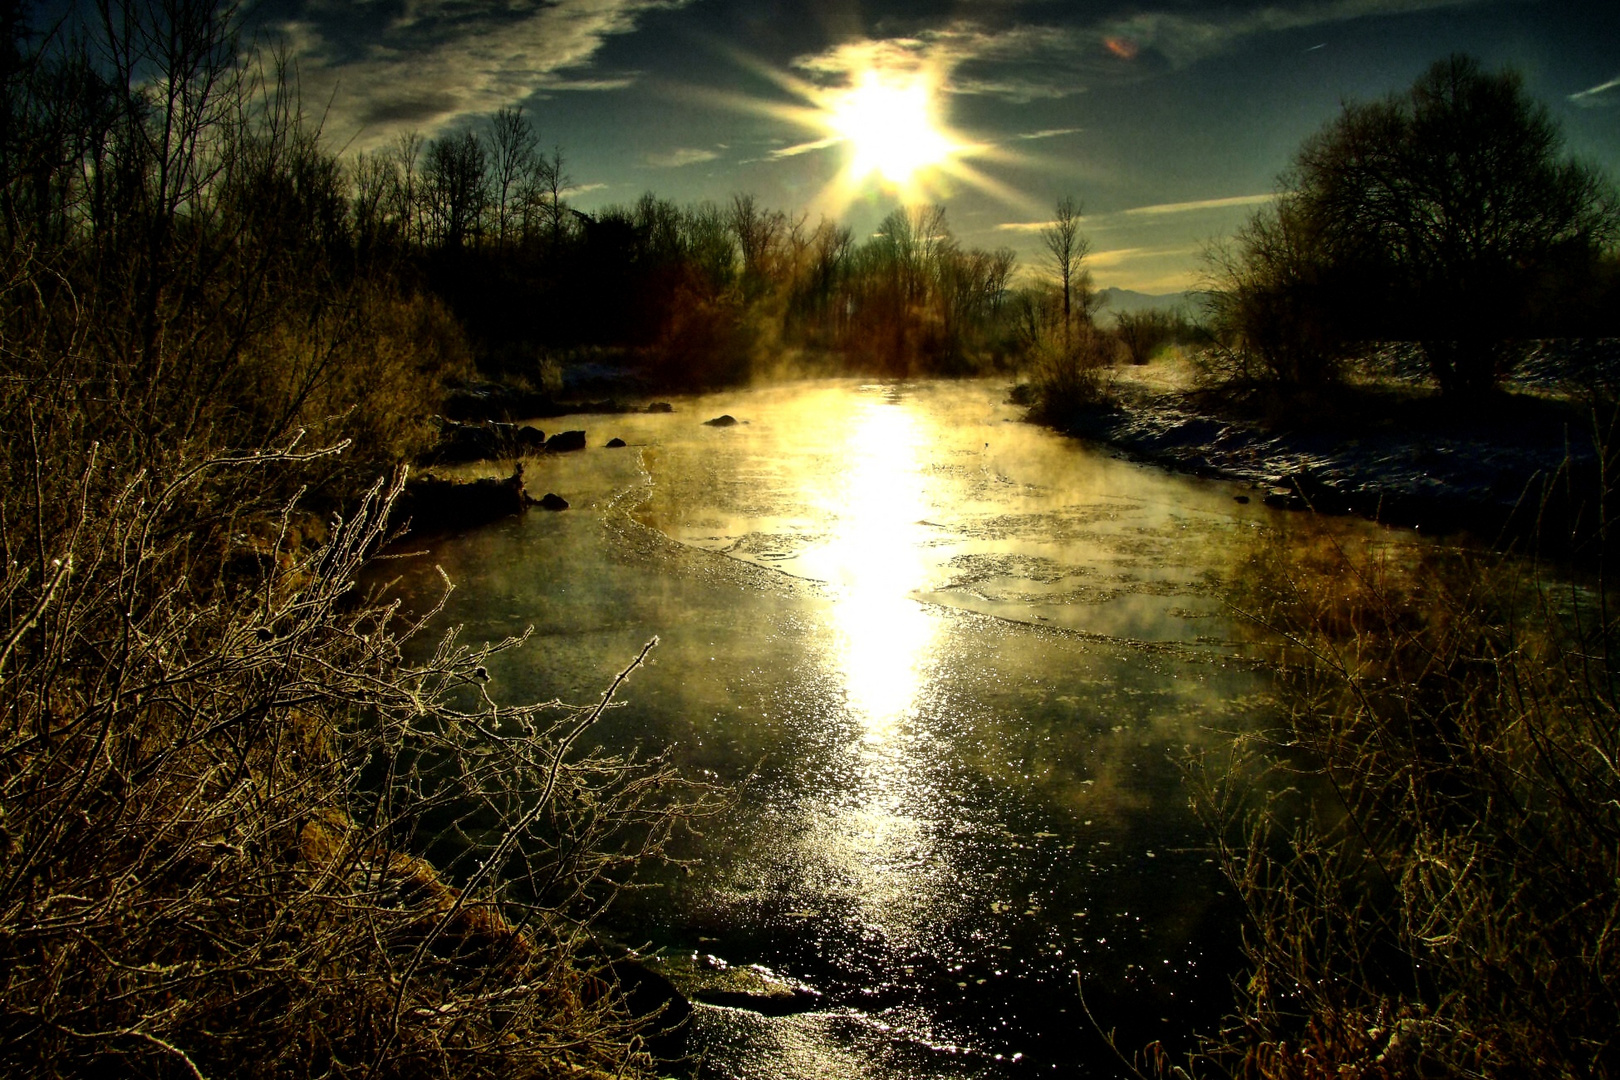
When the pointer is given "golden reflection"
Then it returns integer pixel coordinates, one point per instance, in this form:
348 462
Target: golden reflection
874 563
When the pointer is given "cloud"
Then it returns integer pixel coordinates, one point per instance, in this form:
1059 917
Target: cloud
1157 210
1201 204
1020 64
1184 39
1118 256
1025 63
1049 133
1598 95
433 63
806 147
675 159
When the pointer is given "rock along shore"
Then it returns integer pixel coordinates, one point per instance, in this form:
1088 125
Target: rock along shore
1403 461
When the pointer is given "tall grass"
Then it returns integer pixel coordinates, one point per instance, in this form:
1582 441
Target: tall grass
1428 845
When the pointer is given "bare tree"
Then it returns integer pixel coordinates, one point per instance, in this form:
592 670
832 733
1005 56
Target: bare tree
406 152
371 176
1066 249
541 196
512 150
458 179
758 233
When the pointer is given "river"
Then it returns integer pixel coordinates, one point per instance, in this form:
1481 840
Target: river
947 662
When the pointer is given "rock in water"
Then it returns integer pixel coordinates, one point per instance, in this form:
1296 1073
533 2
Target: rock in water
565 440
484 440
615 443
553 502
725 420
434 506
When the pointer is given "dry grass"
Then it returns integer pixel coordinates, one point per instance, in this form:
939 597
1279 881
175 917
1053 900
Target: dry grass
1428 847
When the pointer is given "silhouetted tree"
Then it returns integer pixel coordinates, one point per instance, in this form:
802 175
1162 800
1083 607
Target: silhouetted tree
407 193
758 232
1445 215
512 144
457 176
545 211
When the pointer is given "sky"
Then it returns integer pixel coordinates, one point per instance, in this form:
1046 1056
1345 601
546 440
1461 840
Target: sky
1168 121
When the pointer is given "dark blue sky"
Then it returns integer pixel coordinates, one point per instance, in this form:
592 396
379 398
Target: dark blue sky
1168 120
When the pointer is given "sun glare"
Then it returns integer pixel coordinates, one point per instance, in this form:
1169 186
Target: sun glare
882 108
890 127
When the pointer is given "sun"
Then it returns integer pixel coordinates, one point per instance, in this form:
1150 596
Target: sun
881 106
889 123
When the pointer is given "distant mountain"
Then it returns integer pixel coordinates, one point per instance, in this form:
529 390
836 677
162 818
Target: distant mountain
1128 300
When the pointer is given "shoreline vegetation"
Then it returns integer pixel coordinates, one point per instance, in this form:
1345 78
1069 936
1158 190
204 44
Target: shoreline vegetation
246 830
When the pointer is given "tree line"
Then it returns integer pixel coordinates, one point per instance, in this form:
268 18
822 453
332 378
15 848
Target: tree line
704 293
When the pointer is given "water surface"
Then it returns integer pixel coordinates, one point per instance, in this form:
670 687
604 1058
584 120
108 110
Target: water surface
947 660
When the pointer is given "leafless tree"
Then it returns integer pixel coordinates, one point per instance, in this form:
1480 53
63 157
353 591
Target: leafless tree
512 152
1066 250
758 233
457 177
407 196
543 192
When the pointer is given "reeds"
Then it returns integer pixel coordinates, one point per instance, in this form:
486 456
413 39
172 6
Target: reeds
1427 845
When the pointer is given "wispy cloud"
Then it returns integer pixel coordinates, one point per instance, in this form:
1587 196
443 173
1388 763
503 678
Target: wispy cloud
1114 257
1186 39
1049 133
806 147
433 63
1024 226
1156 210
1601 94
684 155
1024 63
1200 204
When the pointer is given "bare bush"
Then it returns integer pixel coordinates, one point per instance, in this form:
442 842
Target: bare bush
223 767
1066 363
218 768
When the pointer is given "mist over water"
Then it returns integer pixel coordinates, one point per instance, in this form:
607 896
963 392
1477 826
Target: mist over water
947 660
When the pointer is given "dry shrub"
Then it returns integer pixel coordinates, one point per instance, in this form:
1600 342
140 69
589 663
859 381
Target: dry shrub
1427 845
243 831
1067 378
369 364
215 784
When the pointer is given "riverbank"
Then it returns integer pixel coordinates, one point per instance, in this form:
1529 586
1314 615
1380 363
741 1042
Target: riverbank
1381 447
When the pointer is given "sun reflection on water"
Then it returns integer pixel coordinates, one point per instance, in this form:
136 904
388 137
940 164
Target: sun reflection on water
874 847
874 563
